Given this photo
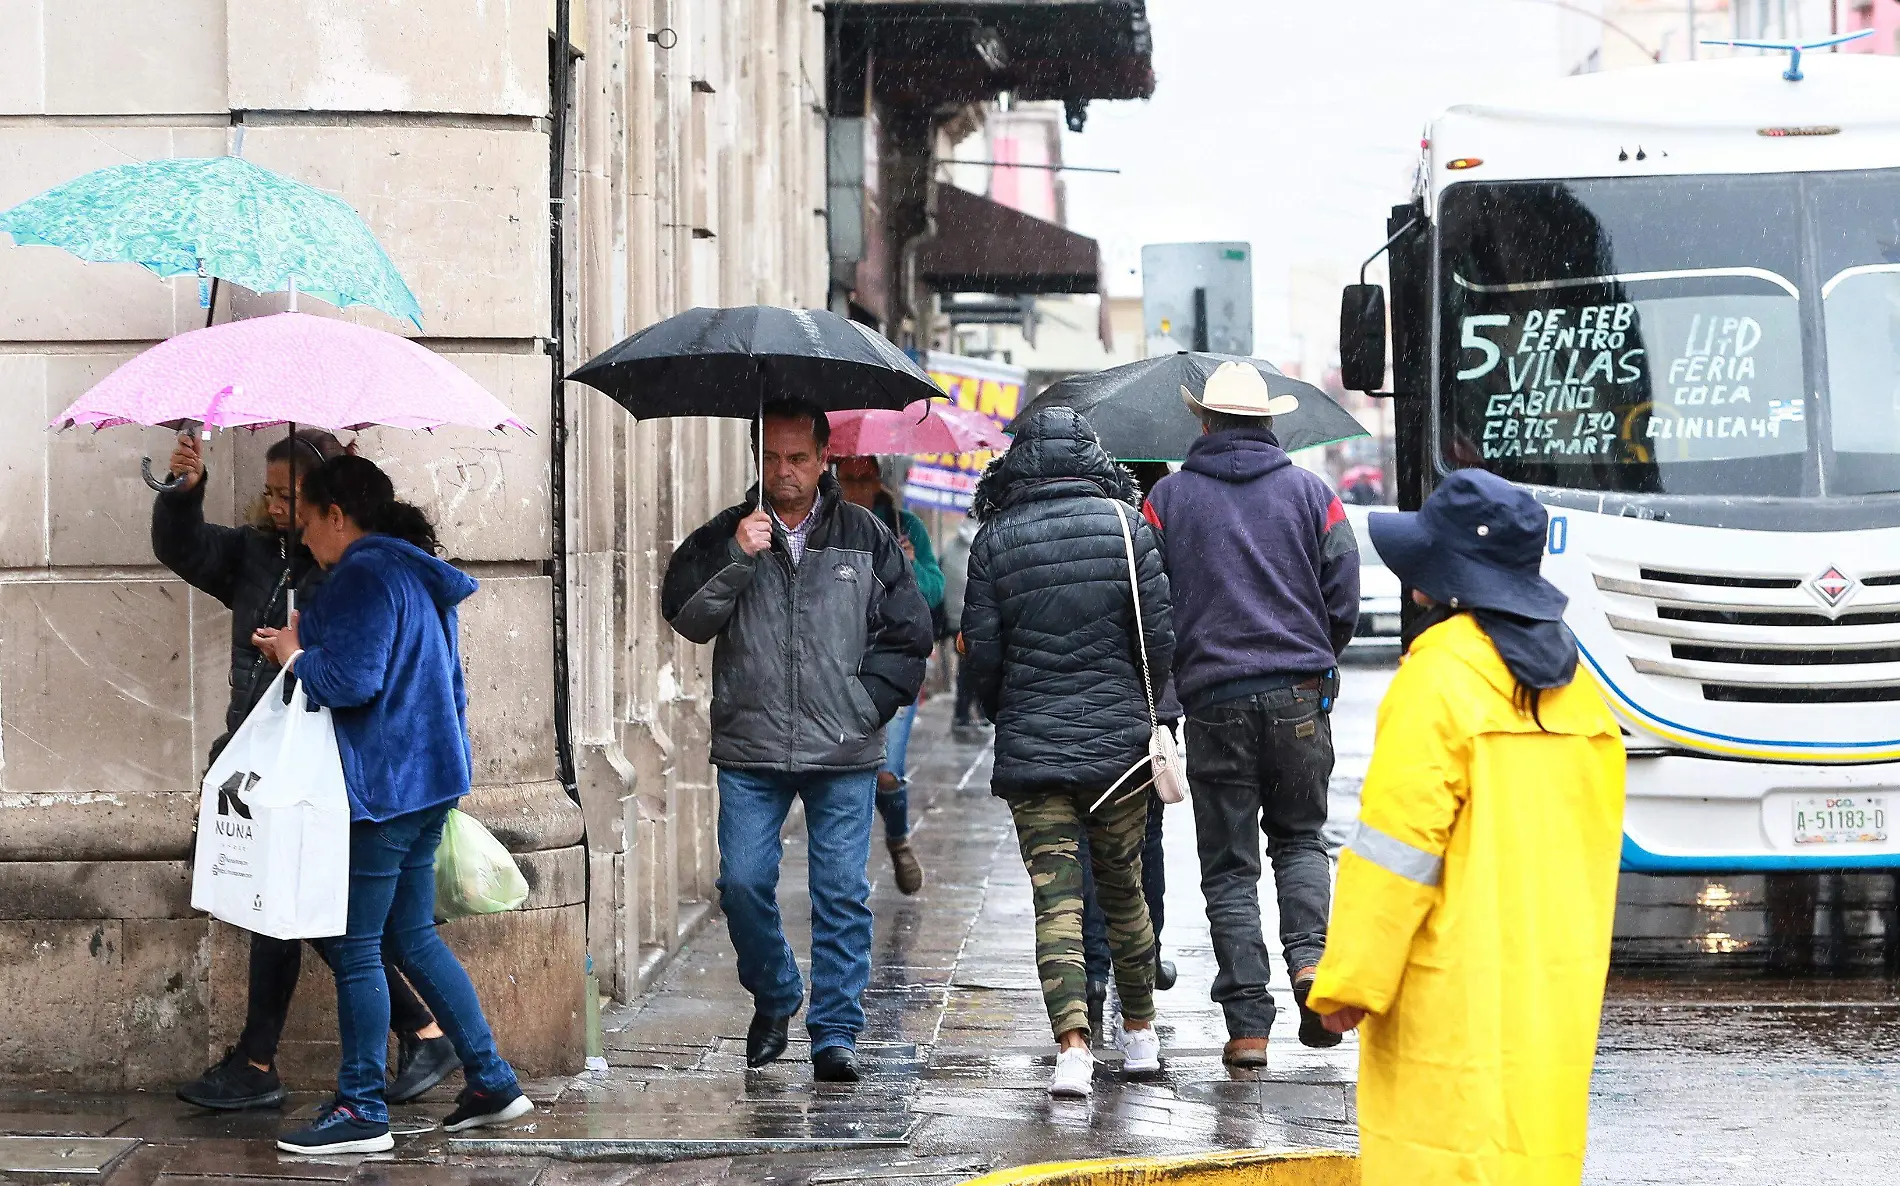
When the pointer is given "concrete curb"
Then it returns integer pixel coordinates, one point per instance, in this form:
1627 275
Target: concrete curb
1245 1167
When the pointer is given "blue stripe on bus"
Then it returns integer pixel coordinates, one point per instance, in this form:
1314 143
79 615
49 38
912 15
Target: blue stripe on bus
1637 859
1626 698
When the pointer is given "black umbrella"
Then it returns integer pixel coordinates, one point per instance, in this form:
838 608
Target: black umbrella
1137 409
728 362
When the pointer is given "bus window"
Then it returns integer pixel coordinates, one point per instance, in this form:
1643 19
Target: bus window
1628 335
1857 233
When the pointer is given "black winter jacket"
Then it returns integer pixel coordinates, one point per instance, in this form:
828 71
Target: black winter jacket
1048 618
811 662
245 569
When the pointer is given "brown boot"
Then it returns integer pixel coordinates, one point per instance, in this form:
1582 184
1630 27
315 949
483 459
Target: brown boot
1245 1052
907 872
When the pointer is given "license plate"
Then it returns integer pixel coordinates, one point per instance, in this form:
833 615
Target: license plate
1840 819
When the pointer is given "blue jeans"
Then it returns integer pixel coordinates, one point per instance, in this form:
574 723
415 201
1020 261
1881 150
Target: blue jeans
753 805
894 805
392 889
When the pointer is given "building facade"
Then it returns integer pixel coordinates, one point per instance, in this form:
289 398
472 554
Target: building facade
1882 16
1621 33
674 148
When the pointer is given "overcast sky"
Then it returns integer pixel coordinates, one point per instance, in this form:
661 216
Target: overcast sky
1293 125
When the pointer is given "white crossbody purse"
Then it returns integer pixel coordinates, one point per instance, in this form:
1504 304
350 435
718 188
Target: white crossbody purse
1166 773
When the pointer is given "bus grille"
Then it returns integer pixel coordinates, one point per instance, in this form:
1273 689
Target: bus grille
1760 638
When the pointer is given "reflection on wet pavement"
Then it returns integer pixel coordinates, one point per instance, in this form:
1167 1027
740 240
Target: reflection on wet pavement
957 1043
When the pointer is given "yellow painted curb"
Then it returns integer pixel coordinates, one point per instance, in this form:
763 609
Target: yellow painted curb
1244 1167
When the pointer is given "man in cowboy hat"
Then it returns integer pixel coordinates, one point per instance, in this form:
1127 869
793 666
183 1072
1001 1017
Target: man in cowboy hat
1265 573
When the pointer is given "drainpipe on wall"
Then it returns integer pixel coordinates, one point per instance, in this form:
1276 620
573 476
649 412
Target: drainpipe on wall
558 93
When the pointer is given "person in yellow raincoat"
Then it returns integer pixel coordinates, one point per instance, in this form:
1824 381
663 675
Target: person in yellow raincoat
1470 928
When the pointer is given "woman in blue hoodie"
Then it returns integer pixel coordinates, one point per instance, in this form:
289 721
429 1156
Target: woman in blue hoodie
380 648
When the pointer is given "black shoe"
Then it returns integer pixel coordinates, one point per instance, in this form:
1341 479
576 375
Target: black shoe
835 1064
234 1085
475 1108
338 1129
765 1038
421 1063
1313 1031
1098 1001
1165 974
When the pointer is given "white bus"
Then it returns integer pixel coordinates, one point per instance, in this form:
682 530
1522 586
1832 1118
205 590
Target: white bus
1667 301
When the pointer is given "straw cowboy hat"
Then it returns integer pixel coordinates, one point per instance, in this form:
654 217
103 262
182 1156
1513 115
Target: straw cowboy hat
1237 389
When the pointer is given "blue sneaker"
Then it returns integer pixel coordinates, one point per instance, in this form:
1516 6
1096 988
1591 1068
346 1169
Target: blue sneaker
338 1129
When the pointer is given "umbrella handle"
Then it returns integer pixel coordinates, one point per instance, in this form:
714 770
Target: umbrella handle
171 482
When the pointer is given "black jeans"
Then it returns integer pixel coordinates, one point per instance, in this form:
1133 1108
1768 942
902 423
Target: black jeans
966 713
1261 764
275 966
1154 888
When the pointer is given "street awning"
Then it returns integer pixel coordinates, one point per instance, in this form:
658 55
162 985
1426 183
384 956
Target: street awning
932 53
983 246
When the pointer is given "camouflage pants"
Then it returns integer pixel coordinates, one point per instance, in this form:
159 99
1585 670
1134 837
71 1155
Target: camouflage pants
1049 827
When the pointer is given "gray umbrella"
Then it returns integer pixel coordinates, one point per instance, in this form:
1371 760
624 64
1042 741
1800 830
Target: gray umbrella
1137 410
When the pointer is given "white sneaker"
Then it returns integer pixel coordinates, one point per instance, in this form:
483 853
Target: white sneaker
1141 1051
1075 1074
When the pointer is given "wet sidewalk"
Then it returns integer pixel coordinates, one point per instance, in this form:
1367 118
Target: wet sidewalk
957 1042
957 1052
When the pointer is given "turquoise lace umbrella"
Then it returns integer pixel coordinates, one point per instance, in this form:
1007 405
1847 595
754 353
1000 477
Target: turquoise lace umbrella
218 218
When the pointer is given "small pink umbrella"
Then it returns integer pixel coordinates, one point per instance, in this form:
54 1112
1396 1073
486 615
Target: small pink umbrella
927 426
289 368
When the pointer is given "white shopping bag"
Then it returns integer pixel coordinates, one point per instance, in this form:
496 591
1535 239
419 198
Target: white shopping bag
274 825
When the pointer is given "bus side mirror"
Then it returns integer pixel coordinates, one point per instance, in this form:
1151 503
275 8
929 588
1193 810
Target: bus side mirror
1362 338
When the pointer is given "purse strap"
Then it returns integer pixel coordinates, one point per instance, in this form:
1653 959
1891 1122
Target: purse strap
1141 633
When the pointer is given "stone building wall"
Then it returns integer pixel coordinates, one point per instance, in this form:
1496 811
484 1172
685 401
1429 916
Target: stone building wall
689 182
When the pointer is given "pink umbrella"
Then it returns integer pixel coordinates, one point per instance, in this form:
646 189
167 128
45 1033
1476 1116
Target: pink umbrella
927 426
289 368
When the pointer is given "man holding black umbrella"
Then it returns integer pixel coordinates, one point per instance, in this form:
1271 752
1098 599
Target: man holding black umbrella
1265 573
821 637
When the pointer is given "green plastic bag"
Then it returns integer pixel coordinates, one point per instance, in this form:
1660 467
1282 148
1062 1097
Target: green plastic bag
473 872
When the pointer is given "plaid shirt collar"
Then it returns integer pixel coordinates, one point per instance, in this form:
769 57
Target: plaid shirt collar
796 537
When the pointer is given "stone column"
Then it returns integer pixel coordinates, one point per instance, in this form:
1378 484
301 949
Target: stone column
429 119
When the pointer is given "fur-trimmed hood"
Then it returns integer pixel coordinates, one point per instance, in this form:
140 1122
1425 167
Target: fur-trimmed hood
1056 445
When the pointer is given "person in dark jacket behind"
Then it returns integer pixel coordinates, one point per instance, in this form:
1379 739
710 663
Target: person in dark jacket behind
1049 628
863 485
1265 573
252 570
381 649
820 638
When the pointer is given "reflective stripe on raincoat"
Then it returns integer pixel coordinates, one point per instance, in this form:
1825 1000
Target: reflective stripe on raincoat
1472 920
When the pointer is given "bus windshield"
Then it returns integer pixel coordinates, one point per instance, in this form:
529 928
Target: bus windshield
1732 335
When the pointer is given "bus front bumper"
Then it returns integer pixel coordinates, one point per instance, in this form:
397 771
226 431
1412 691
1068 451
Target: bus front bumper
1706 815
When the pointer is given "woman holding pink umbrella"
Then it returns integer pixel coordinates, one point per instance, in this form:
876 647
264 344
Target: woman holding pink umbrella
317 372
863 484
858 437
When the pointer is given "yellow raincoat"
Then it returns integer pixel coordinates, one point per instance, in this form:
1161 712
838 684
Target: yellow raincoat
1472 921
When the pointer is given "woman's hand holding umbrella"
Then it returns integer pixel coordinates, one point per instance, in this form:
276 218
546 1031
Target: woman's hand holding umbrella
187 463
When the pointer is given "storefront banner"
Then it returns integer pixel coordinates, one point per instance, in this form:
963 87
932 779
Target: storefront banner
994 389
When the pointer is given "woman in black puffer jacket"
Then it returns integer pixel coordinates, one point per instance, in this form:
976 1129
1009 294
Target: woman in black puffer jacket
1050 636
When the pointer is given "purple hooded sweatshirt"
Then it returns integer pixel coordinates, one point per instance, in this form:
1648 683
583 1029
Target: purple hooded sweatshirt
1263 565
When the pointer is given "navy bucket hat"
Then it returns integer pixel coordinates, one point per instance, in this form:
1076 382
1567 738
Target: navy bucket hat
1477 543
